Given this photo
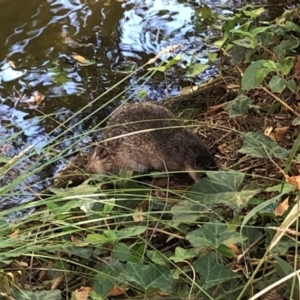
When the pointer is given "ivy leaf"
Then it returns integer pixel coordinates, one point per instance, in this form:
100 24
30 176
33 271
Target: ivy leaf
121 251
212 272
149 276
238 106
214 234
217 188
254 75
277 84
260 146
37 295
183 254
291 83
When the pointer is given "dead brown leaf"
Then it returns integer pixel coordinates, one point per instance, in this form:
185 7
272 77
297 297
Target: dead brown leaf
223 148
15 234
83 293
235 248
12 64
280 133
5 147
138 216
22 264
276 134
117 291
80 58
295 180
282 207
214 109
56 281
268 130
37 98
34 100
78 242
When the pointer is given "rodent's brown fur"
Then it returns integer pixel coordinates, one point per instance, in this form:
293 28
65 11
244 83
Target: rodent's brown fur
139 137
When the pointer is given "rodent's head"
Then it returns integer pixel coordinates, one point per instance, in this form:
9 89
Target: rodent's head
200 158
95 164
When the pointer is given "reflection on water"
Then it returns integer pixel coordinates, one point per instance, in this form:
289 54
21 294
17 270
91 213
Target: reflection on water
135 30
150 26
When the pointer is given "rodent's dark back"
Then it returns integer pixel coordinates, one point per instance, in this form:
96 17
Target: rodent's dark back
145 136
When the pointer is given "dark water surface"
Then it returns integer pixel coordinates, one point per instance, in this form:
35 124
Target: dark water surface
120 32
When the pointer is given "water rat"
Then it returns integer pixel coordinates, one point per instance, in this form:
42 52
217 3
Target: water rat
145 137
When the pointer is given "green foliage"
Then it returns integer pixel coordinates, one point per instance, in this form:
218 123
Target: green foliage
259 145
213 272
238 106
269 46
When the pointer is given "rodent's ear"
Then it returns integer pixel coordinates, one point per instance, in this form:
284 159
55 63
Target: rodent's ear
101 152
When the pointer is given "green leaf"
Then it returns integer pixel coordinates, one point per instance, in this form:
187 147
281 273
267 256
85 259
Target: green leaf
290 26
260 146
183 254
156 257
247 42
149 276
291 83
296 121
167 66
254 75
174 61
80 251
277 84
219 188
286 47
258 30
282 246
4 158
221 42
287 65
98 239
266 39
284 188
213 234
121 251
218 182
130 232
196 69
238 106
226 251
37 295
260 207
212 56
103 285
108 276
186 211
253 13
271 65
212 272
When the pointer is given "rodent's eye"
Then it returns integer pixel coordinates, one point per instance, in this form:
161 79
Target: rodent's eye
101 152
